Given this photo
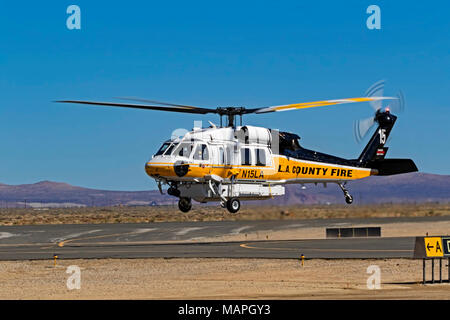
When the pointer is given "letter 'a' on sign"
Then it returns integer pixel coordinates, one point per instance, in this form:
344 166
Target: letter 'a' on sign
433 247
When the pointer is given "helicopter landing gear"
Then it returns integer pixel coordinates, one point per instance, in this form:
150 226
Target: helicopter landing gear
184 204
348 196
348 199
233 205
173 191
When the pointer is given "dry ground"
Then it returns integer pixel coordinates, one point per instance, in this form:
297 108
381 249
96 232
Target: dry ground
217 279
22 216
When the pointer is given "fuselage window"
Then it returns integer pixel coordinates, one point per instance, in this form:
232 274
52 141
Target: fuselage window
229 155
261 157
201 152
221 156
246 158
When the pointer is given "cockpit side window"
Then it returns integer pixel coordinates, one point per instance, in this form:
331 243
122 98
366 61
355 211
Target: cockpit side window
201 152
184 150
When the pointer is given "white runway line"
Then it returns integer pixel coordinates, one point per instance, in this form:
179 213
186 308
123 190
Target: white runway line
240 229
135 233
4 235
197 238
184 231
73 235
144 230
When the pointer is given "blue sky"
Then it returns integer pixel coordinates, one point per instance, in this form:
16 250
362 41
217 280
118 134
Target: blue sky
206 53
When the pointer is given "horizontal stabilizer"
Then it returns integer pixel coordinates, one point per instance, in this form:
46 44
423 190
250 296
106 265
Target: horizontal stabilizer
387 167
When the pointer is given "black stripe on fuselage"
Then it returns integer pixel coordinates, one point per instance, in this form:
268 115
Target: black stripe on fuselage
310 155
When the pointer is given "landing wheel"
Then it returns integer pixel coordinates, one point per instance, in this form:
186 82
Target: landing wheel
348 199
233 205
184 204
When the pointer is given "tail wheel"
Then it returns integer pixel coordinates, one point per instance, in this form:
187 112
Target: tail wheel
233 205
348 199
184 204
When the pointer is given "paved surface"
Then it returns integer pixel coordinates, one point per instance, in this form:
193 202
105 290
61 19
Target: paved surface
329 249
163 240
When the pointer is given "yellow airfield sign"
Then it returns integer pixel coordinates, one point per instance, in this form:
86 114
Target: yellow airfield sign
433 247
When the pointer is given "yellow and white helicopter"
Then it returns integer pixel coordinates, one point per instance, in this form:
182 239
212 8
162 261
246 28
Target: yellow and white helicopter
235 162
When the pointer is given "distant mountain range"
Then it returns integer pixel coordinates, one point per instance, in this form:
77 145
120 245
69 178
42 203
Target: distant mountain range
57 194
406 188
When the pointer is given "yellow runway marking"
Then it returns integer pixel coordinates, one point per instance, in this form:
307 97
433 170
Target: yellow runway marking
62 243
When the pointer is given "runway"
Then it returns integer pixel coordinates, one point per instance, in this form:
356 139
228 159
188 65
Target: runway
186 240
284 249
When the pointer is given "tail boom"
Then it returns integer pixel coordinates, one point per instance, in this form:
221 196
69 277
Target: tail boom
373 155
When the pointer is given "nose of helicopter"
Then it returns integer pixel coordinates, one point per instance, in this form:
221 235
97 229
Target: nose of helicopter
157 167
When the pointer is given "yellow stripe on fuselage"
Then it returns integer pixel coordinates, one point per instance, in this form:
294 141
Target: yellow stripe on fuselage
283 169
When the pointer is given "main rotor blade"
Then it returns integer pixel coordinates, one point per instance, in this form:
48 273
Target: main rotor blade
376 90
398 106
183 109
305 105
155 102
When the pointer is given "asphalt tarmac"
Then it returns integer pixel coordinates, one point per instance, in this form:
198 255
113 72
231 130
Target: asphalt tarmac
181 240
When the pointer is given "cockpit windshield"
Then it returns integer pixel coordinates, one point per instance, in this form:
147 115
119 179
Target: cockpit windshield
170 149
163 148
166 149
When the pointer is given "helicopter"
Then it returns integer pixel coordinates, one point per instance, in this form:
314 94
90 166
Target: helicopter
232 163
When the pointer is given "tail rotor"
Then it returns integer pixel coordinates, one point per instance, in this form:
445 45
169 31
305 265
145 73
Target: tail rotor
363 126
